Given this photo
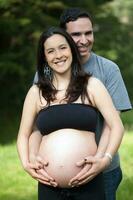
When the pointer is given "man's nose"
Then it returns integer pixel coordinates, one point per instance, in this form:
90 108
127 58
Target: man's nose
83 39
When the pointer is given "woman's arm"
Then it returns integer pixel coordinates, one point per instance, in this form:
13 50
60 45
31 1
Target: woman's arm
34 144
111 116
26 128
27 120
104 140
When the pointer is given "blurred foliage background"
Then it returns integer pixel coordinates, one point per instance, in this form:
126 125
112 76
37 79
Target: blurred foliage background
22 21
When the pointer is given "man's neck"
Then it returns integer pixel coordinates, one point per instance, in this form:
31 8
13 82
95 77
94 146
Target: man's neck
84 59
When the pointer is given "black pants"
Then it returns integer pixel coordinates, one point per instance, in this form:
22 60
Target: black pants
112 180
93 190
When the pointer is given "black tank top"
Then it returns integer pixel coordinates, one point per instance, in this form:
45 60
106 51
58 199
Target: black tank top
60 116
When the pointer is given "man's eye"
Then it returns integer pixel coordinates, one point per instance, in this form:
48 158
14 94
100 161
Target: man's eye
75 34
89 33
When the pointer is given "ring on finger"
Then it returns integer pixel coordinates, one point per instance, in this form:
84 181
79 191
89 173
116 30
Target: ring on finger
85 159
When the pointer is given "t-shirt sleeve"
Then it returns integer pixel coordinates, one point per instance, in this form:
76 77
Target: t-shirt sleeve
35 78
117 89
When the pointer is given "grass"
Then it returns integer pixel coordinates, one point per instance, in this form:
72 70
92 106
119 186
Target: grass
15 184
125 190
127 118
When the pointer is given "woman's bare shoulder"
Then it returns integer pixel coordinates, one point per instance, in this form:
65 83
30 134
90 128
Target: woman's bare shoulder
95 88
94 82
32 94
34 90
36 94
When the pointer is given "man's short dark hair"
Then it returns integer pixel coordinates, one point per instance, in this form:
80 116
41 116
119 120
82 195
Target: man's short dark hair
72 14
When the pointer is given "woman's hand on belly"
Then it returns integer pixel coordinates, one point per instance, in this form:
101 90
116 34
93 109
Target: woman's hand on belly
33 170
87 173
44 177
82 176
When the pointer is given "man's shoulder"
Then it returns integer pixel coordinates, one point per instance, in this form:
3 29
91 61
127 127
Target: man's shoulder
102 68
104 63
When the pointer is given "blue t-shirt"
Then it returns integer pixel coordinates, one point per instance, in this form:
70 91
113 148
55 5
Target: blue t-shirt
108 72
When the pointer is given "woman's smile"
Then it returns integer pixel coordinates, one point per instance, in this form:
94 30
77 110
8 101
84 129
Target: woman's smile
60 62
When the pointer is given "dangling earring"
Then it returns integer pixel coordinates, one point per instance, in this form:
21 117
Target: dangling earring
47 72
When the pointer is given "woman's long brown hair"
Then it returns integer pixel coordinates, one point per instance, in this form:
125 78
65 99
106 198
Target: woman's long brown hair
79 79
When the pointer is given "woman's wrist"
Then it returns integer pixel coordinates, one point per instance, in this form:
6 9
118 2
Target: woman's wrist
109 156
99 155
107 160
25 165
32 157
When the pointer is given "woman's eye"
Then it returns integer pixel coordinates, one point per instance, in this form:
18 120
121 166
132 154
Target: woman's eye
51 51
63 47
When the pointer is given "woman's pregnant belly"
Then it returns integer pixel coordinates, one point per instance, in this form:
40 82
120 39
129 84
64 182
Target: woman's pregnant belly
62 149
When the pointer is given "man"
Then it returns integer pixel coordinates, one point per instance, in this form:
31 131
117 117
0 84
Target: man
78 24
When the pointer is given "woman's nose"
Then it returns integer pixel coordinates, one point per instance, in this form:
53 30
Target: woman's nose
58 54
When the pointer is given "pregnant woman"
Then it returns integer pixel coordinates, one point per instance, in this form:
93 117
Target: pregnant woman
64 105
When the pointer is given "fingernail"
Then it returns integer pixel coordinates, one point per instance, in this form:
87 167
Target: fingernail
72 186
75 182
52 179
54 184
